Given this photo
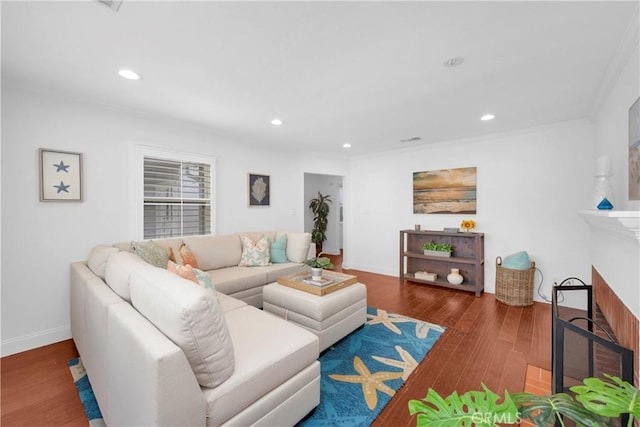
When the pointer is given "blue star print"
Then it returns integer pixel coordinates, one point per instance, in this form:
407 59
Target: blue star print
62 167
62 187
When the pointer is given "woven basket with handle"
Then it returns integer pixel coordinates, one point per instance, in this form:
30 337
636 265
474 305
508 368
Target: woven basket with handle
514 287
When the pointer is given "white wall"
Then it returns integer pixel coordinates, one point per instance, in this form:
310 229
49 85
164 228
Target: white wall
530 185
617 259
40 240
612 122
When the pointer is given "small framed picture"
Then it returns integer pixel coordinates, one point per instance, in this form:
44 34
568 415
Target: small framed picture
259 190
60 176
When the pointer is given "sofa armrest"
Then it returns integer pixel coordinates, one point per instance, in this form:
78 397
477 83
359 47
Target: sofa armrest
150 380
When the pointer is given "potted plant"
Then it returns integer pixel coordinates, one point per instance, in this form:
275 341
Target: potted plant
320 208
437 249
318 263
595 402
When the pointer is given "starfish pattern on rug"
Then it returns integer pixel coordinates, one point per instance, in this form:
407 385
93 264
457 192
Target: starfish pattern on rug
382 317
407 364
422 328
370 383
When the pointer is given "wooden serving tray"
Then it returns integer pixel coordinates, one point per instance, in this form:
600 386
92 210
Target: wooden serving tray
296 281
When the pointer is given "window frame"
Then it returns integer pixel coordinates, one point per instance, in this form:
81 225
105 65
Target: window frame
139 152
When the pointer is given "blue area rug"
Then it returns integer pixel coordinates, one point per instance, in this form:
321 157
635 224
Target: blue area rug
360 373
87 397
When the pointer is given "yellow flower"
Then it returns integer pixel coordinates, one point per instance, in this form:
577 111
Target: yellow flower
468 224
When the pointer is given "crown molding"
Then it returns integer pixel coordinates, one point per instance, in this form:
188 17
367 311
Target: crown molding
629 43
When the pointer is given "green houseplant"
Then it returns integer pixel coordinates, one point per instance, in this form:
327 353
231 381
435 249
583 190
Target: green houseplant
320 208
317 264
437 249
595 403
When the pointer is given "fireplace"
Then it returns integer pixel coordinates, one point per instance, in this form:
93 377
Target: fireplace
583 343
615 267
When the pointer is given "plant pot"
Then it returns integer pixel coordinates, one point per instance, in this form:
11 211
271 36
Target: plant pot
316 273
437 253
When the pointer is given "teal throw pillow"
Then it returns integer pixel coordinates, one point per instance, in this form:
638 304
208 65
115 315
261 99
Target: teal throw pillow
517 261
279 250
204 279
151 252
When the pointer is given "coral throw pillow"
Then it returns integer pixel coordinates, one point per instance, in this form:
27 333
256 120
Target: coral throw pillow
184 271
255 254
188 258
197 276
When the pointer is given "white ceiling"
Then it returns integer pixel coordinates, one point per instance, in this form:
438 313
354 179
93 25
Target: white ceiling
368 73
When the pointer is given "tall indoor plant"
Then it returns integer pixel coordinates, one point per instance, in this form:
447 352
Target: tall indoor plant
320 208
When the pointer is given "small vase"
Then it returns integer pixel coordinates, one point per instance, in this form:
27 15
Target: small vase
316 273
454 277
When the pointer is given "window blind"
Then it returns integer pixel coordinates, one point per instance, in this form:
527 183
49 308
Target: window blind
177 198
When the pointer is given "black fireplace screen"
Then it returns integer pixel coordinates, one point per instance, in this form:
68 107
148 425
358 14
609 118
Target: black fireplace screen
582 346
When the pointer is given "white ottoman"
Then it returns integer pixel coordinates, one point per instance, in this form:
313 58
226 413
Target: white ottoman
331 317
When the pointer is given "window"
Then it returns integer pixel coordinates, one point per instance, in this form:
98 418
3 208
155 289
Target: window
178 195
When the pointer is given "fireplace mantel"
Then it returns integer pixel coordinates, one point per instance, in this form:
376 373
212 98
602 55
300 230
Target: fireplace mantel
623 223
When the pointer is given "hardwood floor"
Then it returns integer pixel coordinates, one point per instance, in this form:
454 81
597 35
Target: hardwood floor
485 342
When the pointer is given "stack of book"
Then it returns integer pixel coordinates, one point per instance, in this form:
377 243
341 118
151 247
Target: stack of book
424 275
323 281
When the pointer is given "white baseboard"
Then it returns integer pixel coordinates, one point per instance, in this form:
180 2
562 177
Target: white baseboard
35 340
370 269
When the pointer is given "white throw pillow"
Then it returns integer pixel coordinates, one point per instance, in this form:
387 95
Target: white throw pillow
98 259
255 254
190 316
298 246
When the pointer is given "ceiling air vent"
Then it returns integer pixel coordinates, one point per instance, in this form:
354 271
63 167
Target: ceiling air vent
414 139
111 4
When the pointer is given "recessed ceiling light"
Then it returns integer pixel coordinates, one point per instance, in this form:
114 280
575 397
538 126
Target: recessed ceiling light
346 145
453 62
277 122
487 117
129 74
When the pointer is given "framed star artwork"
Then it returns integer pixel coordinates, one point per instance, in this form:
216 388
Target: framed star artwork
60 176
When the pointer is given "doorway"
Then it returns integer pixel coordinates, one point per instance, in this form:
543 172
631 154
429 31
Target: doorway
333 186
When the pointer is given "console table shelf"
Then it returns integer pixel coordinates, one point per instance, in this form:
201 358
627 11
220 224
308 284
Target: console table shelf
467 256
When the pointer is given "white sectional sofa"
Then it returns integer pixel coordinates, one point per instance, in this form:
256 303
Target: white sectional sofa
161 350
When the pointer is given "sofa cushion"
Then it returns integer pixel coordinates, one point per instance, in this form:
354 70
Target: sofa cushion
118 270
235 279
151 252
191 317
274 271
297 246
98 257
269 351
228 303
255 254
278 250
215 251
